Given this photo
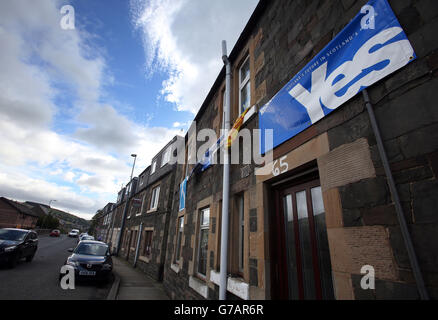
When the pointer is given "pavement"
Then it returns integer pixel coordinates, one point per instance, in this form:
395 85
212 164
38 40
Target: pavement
133 284
39 279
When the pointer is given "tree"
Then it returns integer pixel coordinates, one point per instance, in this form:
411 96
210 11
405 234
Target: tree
48 222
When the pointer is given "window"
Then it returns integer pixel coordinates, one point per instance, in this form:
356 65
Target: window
178 238
204 224
125 240
133 239
244 86
141 180
142 203
166 156
153 167
154 198
147 248
241 232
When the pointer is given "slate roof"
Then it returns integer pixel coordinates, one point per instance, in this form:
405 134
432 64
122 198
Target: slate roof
19 207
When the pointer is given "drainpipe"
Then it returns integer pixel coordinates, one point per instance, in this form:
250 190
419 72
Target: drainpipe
226 180
137 249
122 224
398 208
125 211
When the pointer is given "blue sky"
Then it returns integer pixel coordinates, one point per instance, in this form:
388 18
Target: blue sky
74 104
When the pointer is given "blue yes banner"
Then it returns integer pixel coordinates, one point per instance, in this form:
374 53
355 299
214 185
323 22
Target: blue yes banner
372 46
182 194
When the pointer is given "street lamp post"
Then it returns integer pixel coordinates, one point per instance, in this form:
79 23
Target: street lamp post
122 225
133 165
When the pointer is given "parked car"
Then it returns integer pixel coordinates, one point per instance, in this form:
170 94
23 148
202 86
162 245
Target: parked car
16 244
91 260
55 233
82 235
85 237
74 233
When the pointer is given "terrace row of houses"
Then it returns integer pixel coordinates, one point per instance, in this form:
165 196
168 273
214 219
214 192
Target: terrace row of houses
325 209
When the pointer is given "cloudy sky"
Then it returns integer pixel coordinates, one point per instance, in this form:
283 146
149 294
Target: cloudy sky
74 104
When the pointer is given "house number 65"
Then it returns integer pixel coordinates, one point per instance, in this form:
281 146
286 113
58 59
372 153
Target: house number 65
282 168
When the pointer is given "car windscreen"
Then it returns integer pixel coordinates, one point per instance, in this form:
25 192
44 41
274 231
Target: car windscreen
91 249
14 235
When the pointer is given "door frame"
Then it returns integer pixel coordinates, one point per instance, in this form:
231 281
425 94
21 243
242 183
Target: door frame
277 239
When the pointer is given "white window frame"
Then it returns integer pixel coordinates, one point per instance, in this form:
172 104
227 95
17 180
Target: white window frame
155 196
241 209
153 166
243 83
201 228
166 156
179 235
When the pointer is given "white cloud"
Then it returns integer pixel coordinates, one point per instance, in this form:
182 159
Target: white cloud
22 188
69 176
184 38
38 59
40 62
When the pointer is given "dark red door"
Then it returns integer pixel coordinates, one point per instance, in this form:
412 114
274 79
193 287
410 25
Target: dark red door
300 246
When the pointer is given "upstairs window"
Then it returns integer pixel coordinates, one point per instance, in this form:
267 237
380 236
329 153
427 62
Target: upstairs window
244 86
154 198
153 166
166 156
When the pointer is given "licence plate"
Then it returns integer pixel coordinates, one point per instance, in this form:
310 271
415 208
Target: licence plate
87 273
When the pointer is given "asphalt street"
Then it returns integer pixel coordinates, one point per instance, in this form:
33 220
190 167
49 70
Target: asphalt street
38 280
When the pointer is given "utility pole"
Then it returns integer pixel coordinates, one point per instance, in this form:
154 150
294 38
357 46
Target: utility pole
226 179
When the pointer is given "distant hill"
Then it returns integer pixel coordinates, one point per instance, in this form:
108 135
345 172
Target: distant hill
66 220
70 219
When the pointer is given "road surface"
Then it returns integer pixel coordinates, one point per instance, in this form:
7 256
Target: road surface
38 280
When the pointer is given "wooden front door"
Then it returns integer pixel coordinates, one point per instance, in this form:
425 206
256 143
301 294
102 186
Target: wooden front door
301 256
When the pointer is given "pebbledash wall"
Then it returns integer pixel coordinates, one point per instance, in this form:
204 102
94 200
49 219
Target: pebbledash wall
361 225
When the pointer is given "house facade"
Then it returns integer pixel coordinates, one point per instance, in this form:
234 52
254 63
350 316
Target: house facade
318 214
306 228
148 200
116 219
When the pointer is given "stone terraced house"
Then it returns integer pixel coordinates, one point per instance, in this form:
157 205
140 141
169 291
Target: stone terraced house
305 228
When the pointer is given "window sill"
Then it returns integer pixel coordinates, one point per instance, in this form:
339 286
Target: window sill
152 210
144 259
175 267
236 286
249 115
199 286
